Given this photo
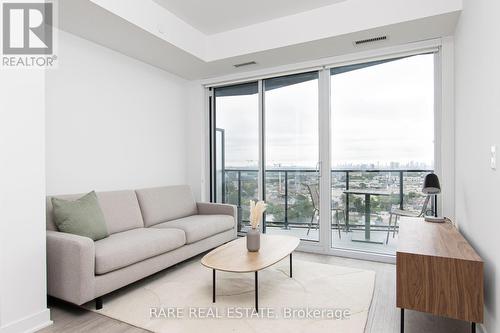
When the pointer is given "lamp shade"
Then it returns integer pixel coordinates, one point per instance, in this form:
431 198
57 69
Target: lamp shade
431 184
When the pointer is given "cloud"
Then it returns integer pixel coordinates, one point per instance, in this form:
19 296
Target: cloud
380 114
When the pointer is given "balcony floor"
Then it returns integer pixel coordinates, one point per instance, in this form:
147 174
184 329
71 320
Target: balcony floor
345 241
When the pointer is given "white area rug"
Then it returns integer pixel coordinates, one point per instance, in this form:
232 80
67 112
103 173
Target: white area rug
311 301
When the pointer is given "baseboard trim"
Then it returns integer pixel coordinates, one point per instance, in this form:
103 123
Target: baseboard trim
29 324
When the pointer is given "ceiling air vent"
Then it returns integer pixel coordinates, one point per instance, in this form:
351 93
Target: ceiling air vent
245 64
370 40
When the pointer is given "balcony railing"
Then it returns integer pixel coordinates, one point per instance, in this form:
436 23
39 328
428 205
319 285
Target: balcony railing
291 203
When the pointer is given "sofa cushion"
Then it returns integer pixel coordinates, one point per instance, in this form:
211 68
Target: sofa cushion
161 204
198 227
82 216
120 208
129 247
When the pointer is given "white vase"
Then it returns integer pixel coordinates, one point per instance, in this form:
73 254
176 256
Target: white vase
253 240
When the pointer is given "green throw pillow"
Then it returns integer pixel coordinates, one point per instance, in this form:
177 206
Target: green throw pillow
82 217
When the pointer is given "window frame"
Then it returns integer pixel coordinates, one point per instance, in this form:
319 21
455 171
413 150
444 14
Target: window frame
443 123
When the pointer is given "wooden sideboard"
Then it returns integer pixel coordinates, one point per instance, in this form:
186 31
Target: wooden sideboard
438 272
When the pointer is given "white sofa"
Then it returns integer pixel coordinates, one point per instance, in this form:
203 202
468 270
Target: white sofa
150 230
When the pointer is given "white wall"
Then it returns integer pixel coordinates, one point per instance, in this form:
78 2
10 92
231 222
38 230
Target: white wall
196 139
112 122
22 210
99 121
477 105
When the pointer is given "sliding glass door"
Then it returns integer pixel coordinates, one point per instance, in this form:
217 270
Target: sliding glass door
292 155
382 145
357 138
235 132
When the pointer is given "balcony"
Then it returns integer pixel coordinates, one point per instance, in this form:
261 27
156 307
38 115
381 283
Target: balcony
291 207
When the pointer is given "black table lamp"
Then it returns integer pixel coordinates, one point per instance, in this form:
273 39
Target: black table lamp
432 187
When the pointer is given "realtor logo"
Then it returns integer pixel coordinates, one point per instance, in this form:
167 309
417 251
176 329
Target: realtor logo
28 35
27 28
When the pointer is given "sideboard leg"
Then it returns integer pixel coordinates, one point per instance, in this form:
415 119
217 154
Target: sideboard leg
213 285
402 320
473 327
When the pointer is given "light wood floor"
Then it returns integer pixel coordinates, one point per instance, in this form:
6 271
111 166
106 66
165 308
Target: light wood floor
383 316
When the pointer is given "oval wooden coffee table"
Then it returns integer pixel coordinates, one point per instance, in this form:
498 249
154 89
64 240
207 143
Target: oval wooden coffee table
234 257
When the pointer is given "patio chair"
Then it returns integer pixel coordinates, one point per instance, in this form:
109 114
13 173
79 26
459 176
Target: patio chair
314 194
397 213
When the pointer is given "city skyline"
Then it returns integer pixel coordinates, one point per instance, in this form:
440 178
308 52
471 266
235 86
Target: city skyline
254 165
381 114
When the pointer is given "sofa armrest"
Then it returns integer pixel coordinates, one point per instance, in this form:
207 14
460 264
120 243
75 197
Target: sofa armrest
70 267
208 208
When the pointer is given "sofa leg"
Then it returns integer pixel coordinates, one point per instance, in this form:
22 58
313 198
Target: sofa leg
98 303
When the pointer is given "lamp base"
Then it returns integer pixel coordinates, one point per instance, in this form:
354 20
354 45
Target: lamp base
434 219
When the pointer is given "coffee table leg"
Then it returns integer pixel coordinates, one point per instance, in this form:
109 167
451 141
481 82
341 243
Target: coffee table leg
256 291
213 285
290 264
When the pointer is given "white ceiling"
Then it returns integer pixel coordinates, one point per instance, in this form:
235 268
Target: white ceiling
213 16
146 31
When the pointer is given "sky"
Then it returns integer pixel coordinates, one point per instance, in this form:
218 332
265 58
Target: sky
379 114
